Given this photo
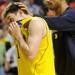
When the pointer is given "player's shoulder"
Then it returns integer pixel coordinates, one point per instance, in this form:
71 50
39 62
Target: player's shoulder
38 20
37 23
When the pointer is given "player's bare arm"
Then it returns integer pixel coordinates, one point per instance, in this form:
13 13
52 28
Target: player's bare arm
36 33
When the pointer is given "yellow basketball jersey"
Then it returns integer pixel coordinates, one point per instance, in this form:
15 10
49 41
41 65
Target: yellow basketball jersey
43 63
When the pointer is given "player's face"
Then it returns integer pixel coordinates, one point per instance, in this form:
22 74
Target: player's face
11 17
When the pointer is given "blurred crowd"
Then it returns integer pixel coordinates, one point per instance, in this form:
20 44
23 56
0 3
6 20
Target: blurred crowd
8 64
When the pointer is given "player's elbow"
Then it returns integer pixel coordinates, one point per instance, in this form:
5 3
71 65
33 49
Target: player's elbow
32 55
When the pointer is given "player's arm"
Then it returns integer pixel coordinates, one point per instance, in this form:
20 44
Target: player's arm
31 47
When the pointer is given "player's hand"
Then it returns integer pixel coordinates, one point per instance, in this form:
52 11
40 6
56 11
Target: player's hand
21 5
14 30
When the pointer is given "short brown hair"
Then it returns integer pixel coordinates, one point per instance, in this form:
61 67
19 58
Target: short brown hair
14 7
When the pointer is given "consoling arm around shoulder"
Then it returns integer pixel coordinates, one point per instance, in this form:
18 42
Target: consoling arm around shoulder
36 32
65 22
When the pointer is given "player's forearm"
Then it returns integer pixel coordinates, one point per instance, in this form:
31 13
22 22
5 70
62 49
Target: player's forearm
24 46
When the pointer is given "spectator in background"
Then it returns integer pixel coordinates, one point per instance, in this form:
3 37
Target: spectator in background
3 3
4 41
6 44
38 2
35 9
2 50
71 3
11 61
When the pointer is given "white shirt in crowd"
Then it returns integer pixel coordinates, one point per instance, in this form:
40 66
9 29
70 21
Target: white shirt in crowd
11 56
